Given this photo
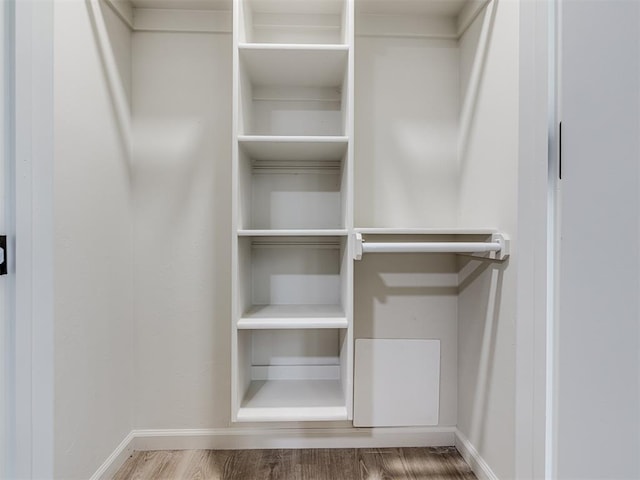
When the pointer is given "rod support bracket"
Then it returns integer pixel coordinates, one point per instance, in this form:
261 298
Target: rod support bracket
357 246
505 244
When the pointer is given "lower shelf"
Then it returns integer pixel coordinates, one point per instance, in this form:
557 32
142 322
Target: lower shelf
293 400
293 316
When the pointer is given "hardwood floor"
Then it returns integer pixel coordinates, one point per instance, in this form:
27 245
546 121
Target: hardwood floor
441 463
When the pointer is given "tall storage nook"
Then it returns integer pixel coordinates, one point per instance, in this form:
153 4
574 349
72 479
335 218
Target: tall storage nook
292 176
362 126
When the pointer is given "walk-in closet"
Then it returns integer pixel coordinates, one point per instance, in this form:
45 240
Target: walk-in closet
305 216
323 239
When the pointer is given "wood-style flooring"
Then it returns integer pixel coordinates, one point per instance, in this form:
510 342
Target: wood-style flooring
441 463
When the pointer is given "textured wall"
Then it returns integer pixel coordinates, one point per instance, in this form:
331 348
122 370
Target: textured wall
93 237
182 185
489 198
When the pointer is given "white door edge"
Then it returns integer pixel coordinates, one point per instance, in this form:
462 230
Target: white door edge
34 339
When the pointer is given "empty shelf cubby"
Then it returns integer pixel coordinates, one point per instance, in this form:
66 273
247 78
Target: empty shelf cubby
292 375
299 278
294 21
292 90
290 185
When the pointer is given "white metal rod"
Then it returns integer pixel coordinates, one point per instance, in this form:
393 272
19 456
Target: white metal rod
431 247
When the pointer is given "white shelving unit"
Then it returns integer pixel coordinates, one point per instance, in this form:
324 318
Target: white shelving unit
297 199
292 165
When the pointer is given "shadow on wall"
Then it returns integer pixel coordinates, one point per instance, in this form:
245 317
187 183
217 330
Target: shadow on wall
476 77
385 276
452 298
417 187
118 83
487 275
182 194
174 129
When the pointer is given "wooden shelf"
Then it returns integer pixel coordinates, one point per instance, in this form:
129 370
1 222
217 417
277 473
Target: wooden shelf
293 400
293 316
293 148
300 65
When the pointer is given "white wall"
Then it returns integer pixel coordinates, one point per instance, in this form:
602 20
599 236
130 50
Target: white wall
488 198
412 296
597 387
407 175
93 232
406 126
406 121
182 181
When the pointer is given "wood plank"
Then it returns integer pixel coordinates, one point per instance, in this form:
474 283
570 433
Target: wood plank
206 464
147 465
329 463
441 463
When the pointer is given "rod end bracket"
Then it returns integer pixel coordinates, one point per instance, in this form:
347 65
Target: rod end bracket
505 245
357 246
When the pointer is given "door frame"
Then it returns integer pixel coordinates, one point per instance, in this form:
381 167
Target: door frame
5 229
534 244
32 389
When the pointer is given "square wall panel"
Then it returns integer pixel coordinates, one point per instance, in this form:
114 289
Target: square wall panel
397 382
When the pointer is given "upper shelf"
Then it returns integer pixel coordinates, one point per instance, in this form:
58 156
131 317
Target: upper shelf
293 21
426 231
416 18
294 65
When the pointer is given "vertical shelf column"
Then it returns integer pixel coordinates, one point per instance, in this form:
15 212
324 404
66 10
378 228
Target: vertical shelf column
236 379
292 267
348 96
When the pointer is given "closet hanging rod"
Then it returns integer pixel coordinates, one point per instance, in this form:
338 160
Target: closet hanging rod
499 246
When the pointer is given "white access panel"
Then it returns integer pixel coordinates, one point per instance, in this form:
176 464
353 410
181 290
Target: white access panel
397 383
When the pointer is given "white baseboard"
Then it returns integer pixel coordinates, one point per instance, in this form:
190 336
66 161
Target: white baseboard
473 458
251 438
111 465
